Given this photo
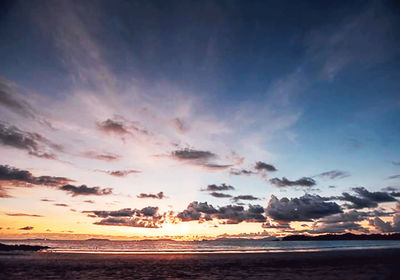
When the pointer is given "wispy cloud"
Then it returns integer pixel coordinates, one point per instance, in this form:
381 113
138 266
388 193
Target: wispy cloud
34 143
334 174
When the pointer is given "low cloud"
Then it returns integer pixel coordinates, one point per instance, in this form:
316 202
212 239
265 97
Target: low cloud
305 208
334 228
284 182
383 226
159 195
230 214
128 222
147 217
365 198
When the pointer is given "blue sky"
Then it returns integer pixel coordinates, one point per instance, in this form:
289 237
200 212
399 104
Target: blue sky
306 87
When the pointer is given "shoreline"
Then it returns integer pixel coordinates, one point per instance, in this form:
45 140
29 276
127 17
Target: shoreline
345 264
206 251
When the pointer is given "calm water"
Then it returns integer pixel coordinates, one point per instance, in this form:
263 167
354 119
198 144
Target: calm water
225 246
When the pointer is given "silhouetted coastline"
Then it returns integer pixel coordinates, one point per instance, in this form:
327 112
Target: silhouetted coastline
4 247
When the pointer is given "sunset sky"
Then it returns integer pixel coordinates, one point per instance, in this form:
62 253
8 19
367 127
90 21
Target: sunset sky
199 118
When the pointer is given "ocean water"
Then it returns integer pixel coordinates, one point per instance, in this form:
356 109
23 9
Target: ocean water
208 246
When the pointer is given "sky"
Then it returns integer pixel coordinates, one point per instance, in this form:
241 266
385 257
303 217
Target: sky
188 119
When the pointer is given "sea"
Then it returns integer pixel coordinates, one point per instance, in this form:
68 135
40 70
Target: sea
104 246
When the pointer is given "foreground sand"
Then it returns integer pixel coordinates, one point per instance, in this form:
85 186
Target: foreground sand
355 264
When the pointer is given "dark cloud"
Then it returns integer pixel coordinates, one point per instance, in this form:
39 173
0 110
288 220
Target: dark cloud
397 163
147 217
149 211
365 198
195 210
222 187
26 228
220 195
351 216
199 158
22 215
375 196
304 208
231 214
239 172
85 190
125 212
14 175
61 204
236 214
244 197
284 182
393 177
102 156
334 174
159 195
394 191
190 154
262 166
34 143
119 173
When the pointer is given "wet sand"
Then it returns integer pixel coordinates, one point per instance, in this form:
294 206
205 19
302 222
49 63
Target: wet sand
351 264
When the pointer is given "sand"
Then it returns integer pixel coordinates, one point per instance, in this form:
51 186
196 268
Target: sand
351 264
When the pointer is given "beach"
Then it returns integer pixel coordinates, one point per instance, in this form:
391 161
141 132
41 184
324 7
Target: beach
346 264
